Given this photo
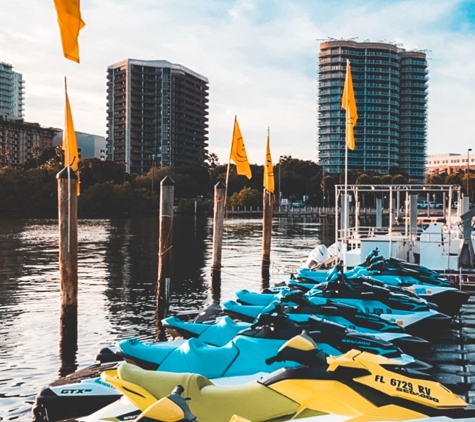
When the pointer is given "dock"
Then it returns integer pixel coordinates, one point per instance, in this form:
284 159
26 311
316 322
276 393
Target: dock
318 212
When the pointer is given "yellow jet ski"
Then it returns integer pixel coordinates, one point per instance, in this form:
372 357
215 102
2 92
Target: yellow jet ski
358 385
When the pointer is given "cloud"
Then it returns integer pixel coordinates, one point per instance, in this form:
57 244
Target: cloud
260 57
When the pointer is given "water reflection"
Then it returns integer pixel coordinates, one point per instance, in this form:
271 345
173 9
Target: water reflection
68 339
118 265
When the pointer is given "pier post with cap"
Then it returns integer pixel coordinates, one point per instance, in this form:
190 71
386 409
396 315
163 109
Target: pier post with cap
218 222
68 265
165 238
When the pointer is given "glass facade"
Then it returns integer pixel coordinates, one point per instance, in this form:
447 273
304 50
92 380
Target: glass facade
390 87
12 92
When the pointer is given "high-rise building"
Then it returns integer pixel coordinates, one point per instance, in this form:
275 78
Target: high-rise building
390 87
157 115
12 92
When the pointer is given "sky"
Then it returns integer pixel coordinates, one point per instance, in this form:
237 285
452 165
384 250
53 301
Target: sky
260 56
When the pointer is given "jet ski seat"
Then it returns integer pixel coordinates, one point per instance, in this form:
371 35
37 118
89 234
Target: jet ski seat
194 355
251 399
216 334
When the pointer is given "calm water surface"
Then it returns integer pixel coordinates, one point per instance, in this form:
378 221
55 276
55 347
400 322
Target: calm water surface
117 277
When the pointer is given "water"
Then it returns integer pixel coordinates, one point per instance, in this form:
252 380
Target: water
117 277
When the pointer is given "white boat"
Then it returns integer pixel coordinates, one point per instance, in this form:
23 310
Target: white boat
440 239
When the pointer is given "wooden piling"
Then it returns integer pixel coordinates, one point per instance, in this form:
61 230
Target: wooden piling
267 210
68 267
165 237
218 221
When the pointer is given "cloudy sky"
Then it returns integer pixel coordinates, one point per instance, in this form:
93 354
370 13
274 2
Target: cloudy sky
260 57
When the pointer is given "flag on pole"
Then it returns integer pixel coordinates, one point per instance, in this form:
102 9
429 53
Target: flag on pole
70 23
268 170
348 102
70 146
238 152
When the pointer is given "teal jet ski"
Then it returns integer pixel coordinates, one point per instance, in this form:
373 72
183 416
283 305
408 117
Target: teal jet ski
421 281
349 309
275 322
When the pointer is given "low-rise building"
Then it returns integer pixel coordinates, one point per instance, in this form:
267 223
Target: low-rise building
21 141
449 163
89 146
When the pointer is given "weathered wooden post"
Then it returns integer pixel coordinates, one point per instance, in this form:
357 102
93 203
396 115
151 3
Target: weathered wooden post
68 267
218 221
267 211
165 238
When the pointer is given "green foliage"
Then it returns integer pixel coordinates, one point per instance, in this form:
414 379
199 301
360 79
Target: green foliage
106 199
31 192
187 206
106 190
247 197
296 179
399 179
190 181
94 171
328 183
363 179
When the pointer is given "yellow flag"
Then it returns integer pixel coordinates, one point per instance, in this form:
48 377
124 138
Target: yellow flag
70 23
238 152
268 170
70 146
348 102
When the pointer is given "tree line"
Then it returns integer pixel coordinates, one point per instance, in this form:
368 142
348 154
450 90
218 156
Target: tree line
108 191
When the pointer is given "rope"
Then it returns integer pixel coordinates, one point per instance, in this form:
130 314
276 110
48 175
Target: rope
237 276
166 250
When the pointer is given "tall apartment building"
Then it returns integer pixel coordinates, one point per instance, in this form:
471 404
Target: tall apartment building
390 87
12 92
157 115
21 141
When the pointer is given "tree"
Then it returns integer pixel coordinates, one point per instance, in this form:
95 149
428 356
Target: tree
94 170
328 188
5 156
435 179
212 160
363 179
247 197
399 179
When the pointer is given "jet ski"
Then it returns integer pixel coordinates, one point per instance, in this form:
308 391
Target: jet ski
84 392
358 385
331 338
423 282
448 300
399 310
275 320
243 355
421 274
420 280
217 334
383 301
